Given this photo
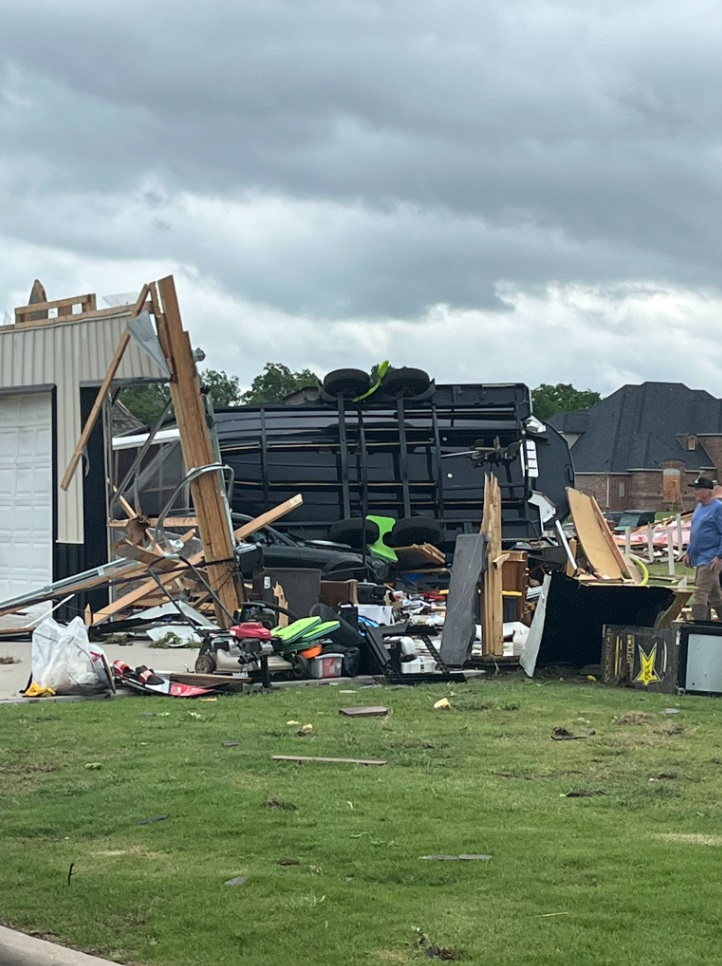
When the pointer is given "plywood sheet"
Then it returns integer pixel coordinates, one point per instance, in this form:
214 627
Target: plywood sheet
594 535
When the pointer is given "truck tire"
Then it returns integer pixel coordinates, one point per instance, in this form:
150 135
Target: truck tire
356 532
346 382
406 381
414 530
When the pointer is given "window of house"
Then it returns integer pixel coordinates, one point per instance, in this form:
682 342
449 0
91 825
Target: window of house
691 442
622 489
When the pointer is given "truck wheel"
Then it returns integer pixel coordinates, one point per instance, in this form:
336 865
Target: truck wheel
346 382
407 381
414 530
355 533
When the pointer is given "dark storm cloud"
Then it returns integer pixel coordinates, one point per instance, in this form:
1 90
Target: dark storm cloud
451 145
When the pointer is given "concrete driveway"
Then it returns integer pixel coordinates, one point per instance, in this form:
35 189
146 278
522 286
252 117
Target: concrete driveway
14 677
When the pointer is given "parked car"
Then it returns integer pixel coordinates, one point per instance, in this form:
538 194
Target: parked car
334 560
634 519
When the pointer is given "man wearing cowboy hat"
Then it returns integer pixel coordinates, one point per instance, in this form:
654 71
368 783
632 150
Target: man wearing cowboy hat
705 550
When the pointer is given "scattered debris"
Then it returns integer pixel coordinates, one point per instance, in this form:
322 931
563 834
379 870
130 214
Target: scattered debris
286 862
172 639
150 821
561 734
584 793
373 711
94 766
230 744
285 806
442 705
70 871
299 759
239 880
633 718
9 659
670 729
691 838
670 711
464 857
433 950
440 952
663 777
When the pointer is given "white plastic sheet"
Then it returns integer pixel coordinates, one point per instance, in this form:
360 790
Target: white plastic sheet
64 659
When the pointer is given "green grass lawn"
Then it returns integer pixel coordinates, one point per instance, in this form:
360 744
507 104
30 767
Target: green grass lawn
629 874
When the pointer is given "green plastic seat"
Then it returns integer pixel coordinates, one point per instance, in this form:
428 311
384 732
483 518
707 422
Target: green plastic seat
379 548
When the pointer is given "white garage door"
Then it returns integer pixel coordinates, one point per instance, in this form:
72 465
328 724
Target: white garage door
26 488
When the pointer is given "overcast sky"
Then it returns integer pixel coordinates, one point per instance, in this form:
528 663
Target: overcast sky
493 190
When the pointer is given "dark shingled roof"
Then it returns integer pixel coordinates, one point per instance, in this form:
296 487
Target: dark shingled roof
637 427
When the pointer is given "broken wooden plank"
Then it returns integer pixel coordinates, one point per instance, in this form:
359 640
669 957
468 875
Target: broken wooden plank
419 555
24 313
593 533
95 411
209 497
104 389
492 637
128 600
119 571
265 519
372 711
334 761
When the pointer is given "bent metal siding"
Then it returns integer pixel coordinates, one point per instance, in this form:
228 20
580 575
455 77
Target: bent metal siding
69 355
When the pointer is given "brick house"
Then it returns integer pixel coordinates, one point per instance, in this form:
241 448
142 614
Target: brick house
638 448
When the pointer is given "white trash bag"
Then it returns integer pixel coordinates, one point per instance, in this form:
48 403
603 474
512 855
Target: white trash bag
64 659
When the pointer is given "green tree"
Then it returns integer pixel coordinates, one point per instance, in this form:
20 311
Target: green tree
146 403
276 382
225 390
561 398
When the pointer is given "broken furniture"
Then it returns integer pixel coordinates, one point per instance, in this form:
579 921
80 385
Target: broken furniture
646 658
568 623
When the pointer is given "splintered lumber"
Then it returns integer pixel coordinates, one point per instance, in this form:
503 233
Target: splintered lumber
209 498
595 537
129 600
269 517
117 571
462 605
419 555
334 761
102 393
492 638
372 711
152 558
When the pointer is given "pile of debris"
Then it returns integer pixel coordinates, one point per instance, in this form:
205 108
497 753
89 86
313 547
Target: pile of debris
437 614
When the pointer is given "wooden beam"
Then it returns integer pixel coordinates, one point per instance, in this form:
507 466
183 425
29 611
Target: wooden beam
102 393
300 759
129 600
492 638
207 490
95 411
86 302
